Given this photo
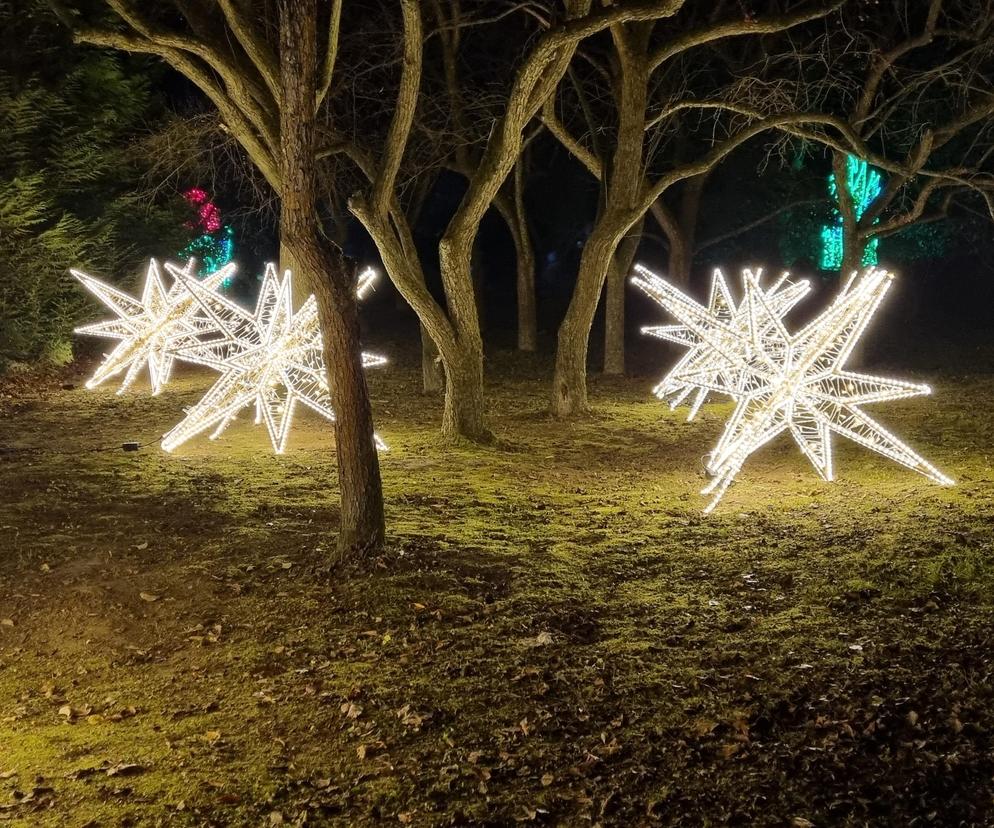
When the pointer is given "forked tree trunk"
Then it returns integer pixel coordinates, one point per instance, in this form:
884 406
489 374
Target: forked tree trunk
461 357
614 305
332 278
626 176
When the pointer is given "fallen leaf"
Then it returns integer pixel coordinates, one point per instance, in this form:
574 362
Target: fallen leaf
126 769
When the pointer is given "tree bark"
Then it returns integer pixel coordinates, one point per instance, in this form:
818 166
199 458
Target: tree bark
332 277
461 357
682 245
525 255
614 305
569 389
432 373
569 384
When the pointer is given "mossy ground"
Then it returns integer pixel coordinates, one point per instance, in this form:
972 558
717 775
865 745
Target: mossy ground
556 635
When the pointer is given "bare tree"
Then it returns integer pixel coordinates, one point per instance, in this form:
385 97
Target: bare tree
646 103
916 87
455 328
258 65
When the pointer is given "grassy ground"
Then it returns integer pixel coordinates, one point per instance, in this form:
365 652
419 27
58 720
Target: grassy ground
555 636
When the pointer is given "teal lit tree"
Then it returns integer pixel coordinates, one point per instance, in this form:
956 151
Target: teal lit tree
214 247
863 184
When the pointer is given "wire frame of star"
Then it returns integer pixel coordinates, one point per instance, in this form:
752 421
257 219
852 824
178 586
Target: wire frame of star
151 329
781 381
270 359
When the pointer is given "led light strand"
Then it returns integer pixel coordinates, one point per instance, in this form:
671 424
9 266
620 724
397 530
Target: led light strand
151 329
782 381
703 368
863 184
215 246
270 358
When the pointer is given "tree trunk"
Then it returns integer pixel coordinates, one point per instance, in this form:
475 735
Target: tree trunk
569 390
525 254
333 279
463 414
852 243
618 215
614 306
462 357
432 375
681 257
614 319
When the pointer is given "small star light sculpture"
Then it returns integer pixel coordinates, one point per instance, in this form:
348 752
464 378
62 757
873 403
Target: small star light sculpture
271 358
782 381
150 329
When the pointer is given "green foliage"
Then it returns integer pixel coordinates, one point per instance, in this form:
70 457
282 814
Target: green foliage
68 180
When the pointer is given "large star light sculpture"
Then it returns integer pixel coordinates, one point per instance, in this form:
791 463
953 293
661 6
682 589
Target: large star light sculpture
703 369
151 329
270 358
782 381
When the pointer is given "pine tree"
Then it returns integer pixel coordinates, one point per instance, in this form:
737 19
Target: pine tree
68 180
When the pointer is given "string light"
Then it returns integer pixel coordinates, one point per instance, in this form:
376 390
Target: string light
270 359
215 246
863 184
150 329
703 369
786 382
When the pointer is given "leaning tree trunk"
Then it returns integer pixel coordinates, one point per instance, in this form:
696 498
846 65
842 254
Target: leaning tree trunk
333 280
619 214
525 255
614 305
569 391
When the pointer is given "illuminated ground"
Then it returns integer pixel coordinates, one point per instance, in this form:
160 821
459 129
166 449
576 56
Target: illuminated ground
556 635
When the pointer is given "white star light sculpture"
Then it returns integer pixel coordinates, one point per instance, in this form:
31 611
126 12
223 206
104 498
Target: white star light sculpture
703 368
788 382
150 329
271 358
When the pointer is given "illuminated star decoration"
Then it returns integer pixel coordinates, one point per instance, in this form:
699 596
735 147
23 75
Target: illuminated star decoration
703 368
790 382
150 329
271 359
